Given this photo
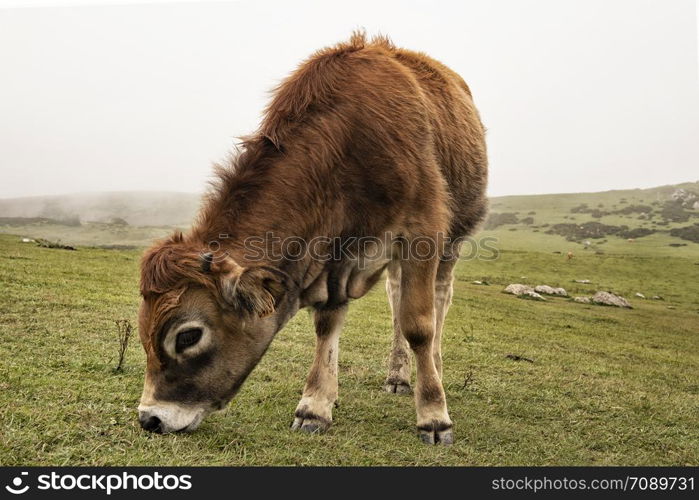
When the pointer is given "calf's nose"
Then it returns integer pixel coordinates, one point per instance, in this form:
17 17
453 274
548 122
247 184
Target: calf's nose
150 423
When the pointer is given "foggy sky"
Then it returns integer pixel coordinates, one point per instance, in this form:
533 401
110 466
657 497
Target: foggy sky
576 95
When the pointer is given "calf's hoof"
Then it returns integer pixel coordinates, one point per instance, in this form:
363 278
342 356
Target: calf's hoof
312 424
397 387
436 433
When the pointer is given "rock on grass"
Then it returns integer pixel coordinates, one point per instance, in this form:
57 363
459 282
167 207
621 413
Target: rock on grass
518 289
523 291
531 295
610 299
549 290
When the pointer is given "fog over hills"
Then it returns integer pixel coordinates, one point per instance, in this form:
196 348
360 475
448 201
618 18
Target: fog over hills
154 208
137 208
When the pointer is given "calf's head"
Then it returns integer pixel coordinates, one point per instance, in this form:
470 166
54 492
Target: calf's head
204 323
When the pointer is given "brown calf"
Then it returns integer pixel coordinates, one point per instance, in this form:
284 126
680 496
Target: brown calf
369 158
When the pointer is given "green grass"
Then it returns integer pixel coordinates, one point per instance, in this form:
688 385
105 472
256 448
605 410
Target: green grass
607 386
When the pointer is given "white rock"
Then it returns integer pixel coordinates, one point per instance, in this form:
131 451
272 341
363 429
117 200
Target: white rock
679 194
518 289
585 282
549 290
582 300
531 294
640 295
610 299
523 291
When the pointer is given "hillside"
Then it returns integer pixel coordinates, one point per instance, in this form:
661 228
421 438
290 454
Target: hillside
662 220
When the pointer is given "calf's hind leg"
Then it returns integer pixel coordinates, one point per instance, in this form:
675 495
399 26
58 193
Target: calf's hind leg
398 379
444 291
417 322
314 411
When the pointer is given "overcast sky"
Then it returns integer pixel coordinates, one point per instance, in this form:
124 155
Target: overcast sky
577 95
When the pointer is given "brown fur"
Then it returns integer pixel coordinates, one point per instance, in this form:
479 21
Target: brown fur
347 147
364 138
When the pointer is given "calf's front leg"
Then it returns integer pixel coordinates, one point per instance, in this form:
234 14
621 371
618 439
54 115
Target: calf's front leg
314 411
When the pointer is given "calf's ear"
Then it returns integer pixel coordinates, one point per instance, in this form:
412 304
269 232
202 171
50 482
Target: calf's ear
255 290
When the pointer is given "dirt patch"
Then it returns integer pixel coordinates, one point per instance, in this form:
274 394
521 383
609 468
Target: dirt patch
634 209
638 232
496 220
596 230
586 230
594 212
673 211
690 233
53 244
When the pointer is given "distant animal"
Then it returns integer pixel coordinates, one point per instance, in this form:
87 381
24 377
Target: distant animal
363 141
569 255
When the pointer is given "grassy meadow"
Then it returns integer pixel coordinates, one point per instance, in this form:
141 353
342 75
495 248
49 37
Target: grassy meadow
600 385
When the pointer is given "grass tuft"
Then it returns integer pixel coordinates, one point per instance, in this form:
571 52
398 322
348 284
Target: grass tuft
123 332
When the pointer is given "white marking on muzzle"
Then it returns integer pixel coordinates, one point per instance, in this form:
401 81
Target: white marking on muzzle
173 417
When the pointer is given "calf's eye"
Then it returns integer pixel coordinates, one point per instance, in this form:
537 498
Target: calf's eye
187 338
